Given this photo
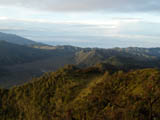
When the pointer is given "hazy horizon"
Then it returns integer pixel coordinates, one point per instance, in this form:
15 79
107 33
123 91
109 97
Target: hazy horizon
89 23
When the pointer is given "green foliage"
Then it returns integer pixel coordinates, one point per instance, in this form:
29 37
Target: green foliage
83 94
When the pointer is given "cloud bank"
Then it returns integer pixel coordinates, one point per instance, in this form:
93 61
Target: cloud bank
87 5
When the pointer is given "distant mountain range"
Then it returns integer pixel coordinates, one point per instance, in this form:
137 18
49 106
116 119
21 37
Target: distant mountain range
23 59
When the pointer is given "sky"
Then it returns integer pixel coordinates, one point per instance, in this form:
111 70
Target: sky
84 23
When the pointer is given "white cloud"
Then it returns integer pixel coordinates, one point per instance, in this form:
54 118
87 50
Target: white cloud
87 5
127 30
3 18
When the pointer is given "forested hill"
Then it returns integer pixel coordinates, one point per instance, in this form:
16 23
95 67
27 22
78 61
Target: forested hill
21 59
85 94
19 63
127 57
15 54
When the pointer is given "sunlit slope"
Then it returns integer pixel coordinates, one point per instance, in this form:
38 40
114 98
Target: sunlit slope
73 93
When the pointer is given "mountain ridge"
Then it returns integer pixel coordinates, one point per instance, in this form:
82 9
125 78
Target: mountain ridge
13 38
24 62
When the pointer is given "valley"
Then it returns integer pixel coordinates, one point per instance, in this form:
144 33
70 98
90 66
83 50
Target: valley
23 62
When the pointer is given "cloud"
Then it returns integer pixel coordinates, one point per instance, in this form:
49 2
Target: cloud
3 18
115 32
87 5
117 27
111 27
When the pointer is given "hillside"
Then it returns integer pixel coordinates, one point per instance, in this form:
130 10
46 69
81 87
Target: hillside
85 94
23 59
18 64
22 62
14 54
119 58
15 39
